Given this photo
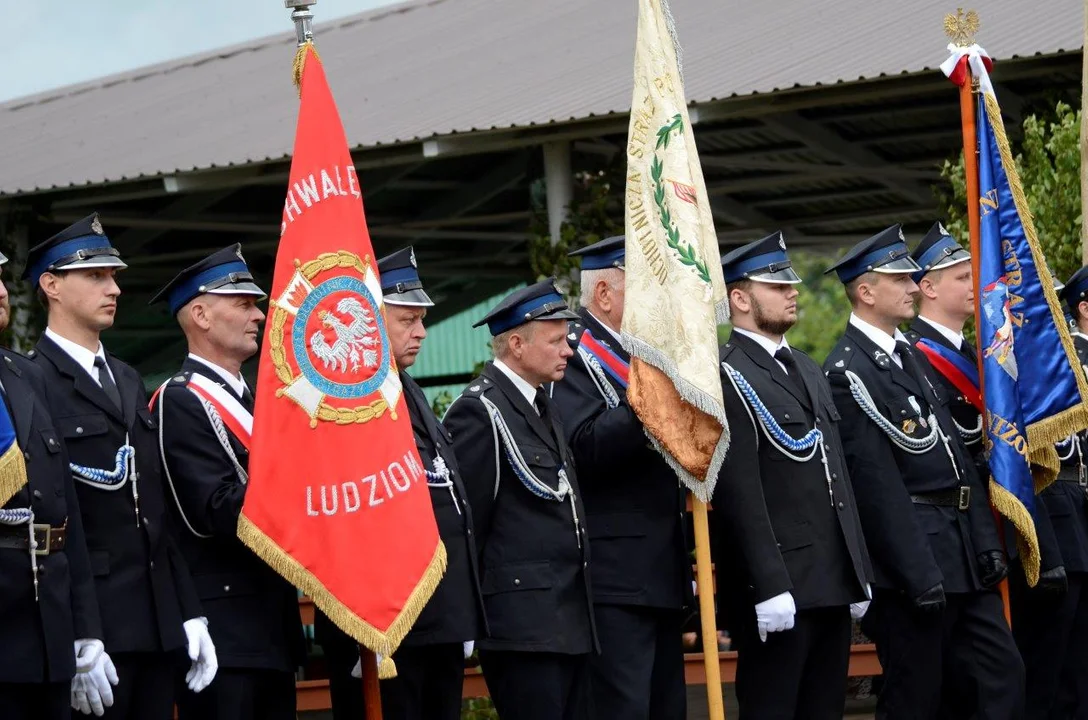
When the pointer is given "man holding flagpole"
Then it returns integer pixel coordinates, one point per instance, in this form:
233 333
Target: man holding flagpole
915 482
204 417
635 507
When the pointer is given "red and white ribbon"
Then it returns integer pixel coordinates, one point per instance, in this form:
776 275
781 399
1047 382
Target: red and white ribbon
955 67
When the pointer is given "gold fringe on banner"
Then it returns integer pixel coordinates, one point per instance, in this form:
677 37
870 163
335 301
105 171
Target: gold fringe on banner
1060 426
12 473
299 63
382 643
1044 466
1026 540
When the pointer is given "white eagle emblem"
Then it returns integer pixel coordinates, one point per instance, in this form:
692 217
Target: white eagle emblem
354 343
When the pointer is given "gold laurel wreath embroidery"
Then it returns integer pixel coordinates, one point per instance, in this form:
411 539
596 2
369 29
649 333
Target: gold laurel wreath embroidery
325 411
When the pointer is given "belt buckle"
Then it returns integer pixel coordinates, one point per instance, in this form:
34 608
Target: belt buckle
965 497
42 546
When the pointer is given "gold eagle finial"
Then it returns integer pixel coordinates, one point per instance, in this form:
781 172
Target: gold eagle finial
961 27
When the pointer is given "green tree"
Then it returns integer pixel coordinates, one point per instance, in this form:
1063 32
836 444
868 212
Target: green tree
596 212
1048 160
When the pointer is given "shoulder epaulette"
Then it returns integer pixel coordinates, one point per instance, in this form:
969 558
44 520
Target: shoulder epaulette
912 336
575 329
725 351
477 387
839 359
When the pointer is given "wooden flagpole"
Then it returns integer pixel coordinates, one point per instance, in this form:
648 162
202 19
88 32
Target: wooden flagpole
372 697
968 121
704 579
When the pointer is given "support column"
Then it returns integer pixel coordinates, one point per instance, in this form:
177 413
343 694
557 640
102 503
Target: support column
560 186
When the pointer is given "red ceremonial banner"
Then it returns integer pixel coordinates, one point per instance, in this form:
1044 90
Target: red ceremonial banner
337 500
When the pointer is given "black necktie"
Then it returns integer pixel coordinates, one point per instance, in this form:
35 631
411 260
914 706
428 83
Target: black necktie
106 381
543 407
903 349
785 356
247 398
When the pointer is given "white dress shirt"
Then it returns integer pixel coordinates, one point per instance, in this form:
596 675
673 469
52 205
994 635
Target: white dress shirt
83 357
881 339
766 343
520 383
234 382
949 334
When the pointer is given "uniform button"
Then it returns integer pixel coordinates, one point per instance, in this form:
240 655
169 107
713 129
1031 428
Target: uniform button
226 588
469 531
817 421
902 412
26 456
841 506
826 446
834 476
152 564
146 521
52 442
787 416
38 494
585 564
79 431
517 581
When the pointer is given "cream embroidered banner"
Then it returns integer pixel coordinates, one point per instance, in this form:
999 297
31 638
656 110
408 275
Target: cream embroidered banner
675 294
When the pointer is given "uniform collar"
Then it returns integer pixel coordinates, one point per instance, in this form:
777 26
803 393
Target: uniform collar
764 342
235 382
83 357
1078 333
881 339
603 324
949 334
523 385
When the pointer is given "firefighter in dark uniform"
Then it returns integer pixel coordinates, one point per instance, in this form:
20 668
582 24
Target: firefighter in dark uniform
431 659
922 506
47 601
634 508
148 604
528 514
1056 652
945 302
790 526
252 612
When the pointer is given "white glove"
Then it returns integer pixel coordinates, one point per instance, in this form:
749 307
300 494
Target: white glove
357 671
87 652
92 691
201 652
775 615
469 646
858 609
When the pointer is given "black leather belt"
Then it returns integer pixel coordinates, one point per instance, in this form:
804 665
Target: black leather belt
959 498
1070 475
48 538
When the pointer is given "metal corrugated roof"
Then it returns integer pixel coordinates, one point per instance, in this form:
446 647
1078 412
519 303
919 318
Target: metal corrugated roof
435 67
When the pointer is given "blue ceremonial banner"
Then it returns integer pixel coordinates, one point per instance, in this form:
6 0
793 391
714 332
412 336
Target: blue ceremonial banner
12 467
1032 387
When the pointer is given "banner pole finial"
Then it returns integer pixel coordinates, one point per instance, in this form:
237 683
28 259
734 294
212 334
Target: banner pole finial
304 36
961 27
